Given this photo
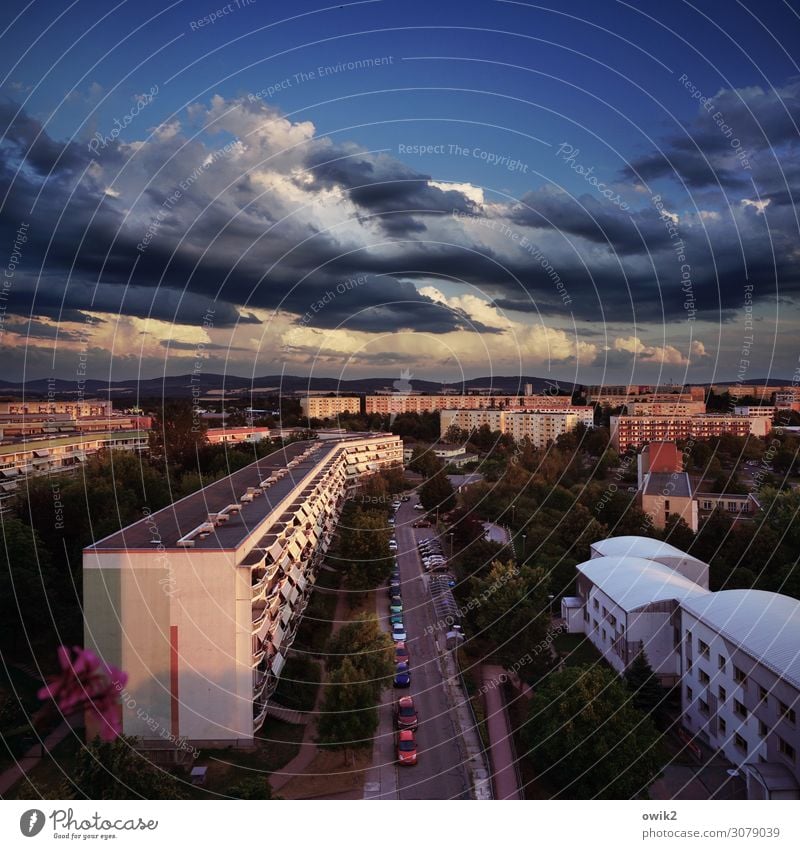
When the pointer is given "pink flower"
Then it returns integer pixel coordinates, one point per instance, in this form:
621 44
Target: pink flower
86 682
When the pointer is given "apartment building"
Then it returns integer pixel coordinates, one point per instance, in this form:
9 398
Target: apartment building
28 458
200 602
734 653
46 407
232 435
616 395
664 489
539 426
636 431
759 411
322 407
470 420
387 404
16 425
665 408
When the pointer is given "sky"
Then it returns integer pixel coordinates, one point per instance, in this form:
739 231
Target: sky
585 191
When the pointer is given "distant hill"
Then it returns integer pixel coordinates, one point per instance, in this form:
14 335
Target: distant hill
182 386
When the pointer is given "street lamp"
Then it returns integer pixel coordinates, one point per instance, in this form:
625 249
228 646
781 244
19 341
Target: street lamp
524 545
451 543
550 600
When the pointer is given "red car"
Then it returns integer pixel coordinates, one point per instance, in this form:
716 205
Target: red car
406 748
401 654
405 714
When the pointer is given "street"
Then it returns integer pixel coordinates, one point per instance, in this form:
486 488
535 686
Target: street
439 773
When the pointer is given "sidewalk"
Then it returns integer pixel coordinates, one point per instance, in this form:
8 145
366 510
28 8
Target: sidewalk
14 774
501 750
308 748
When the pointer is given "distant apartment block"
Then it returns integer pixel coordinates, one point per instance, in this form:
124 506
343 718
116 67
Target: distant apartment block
16 426
735 653
665 408
759 411
322 407
665 489
32 457
615 396
539 426
636 431
387 404
44 408
200 602
232 435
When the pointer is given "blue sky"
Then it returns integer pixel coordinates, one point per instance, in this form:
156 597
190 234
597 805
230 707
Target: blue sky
551 130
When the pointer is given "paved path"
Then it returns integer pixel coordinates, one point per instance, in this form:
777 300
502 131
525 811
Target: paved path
501 749
34 755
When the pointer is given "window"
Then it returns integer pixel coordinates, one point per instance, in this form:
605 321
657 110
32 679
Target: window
596 604
704 707
689 694
731 506
703 676
723 726
666 505
787 713
739 677
740 742
739 709
721 663
762 693
723 695
762 729
785 749
702 648
707 505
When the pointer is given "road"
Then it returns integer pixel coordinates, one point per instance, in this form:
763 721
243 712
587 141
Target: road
439 773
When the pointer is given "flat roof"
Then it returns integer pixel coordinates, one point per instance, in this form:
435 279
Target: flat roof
668 484
169 524
645 547
765 625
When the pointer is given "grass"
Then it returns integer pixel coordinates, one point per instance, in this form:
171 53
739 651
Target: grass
576 650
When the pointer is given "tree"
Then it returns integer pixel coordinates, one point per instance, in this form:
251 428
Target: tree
349 716
363 548
177 434
254 787
511 611
585 737
368 649
647 694
115 770
437 493
424 461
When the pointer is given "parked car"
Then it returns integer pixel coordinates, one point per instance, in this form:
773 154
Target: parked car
421 523
394 588
405 713
405 498
418 507
401 654
406 748
396 618
402 676
395 606
399 632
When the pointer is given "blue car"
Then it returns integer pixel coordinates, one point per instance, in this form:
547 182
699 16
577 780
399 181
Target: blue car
402 676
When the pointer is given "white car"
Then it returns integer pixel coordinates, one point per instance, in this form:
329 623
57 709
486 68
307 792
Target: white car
399 632
418 507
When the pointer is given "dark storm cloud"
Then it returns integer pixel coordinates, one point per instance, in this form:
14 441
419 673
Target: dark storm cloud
384 187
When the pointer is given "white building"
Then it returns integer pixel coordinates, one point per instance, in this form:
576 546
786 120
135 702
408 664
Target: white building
734 653
323 407
632 604
543 427
741 684
199 602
